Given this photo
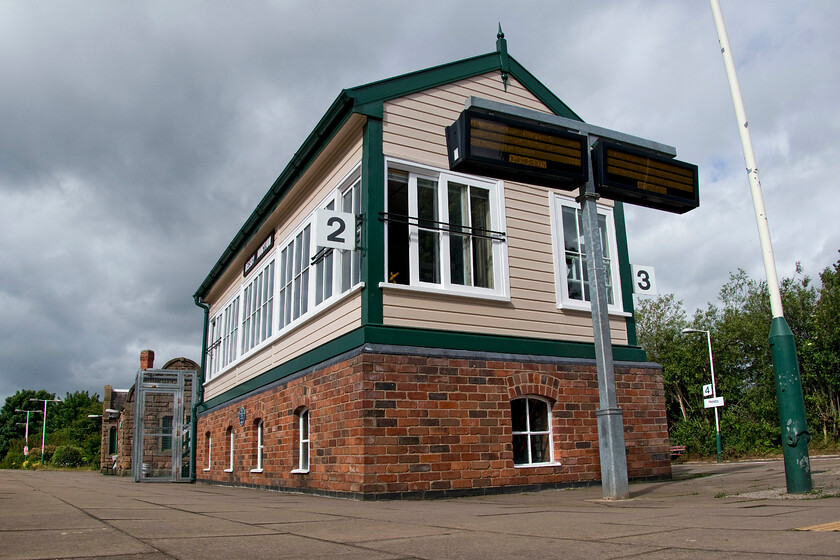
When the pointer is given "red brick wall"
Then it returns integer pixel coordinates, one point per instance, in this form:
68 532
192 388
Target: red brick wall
384 425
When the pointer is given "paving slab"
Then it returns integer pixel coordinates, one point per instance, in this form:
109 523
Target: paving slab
730 510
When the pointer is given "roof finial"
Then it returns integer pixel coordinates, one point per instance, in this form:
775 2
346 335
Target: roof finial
501 48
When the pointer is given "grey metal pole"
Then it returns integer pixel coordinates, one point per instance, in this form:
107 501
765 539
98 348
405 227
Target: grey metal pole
613 456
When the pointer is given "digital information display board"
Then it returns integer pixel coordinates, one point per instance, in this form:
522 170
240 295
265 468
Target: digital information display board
639 177
516 149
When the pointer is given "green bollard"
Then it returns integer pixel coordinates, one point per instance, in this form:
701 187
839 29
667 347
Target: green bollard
795 434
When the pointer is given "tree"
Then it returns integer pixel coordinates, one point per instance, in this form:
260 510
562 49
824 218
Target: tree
67 421
739 324
820 357
10 420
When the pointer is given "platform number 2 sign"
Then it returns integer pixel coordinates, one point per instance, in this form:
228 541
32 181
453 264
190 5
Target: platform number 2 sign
336 230
644 280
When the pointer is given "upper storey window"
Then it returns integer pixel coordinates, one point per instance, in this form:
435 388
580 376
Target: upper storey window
571 275
445 232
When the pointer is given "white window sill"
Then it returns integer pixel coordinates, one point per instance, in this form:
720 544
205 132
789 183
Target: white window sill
587 308
537 465
228 470
257 471
446 292
300 471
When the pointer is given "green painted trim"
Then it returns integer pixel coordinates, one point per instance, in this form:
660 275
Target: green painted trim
423 338
331 349
453 340
541 92
373 230
421 80
625 272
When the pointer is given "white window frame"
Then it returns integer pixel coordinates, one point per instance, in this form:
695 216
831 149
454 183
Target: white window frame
556 204
209 453
350 186
304 426
230 459
528 432
501 280
257 307
259 450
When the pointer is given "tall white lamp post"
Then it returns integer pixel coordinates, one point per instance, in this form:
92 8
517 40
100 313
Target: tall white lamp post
26 437
714 386
44 429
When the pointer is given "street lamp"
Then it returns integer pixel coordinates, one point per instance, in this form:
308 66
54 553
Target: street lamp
714 385
26 438
44 430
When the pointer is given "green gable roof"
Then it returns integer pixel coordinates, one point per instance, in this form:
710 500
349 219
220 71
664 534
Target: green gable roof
368 100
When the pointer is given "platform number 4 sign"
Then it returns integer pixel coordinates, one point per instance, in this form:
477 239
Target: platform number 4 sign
644 280
335 229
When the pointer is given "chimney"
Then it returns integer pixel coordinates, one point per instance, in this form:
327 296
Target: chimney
147 359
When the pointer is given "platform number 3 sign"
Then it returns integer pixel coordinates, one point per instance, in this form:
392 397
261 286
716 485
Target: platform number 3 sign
335 229
644 280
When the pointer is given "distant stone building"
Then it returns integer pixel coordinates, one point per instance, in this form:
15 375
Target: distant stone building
118 411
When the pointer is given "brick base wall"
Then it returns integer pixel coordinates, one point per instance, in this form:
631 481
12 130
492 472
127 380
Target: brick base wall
388 425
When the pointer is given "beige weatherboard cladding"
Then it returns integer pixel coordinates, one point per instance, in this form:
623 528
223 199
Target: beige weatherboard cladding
338 161
413 131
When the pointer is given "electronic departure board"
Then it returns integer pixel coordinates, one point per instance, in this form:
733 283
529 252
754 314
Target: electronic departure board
639 177
512 148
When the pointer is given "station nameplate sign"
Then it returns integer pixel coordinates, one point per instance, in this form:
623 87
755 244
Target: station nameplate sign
639 177
517 149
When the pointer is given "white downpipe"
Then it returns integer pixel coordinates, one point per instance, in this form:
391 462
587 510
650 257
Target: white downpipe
752 166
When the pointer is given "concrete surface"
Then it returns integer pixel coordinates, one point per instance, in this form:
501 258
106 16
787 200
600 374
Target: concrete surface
709 511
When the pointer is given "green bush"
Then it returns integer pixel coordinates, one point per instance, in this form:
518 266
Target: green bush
13 460
68 456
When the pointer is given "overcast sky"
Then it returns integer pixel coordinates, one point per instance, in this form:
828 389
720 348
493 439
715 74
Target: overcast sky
136 138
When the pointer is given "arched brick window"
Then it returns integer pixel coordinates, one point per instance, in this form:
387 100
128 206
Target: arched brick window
532 441
302 418
258 449
230 448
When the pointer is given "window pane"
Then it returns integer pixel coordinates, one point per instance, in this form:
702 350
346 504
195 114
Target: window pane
427 202
538 415
398 271
570 231
459 260
520 450
574 277
539 449
459 245
429 250
519 415
304 456
482 247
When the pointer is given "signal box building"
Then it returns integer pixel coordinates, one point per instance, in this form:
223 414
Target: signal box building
449 351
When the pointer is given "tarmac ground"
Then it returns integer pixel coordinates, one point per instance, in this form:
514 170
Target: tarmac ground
709 511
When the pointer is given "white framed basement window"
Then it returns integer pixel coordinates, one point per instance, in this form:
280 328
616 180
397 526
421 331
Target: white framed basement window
230 450
531 429
570 274
209 442
303 442
445 232
258 452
